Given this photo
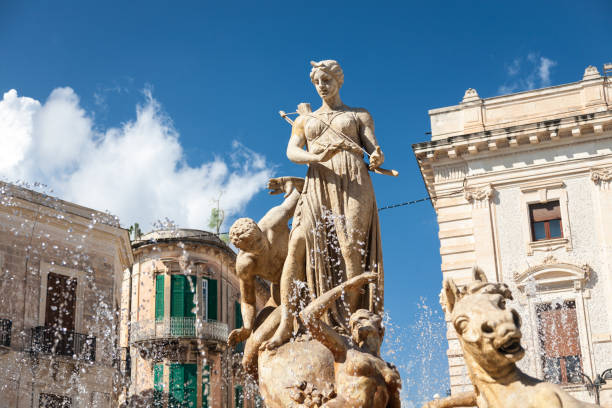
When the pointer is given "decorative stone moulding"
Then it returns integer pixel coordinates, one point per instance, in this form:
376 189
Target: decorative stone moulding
470 95
479 196
602 177
591 72
479 142
553 274
548 245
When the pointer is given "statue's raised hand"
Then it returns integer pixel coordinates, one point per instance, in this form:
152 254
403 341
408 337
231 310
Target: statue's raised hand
360 280
238 336
285 185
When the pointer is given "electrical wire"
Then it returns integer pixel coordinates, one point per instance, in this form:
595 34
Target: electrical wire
386 207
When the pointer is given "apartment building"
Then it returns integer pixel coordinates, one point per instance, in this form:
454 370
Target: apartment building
521 186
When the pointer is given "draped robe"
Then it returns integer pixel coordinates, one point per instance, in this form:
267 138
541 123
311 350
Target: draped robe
338 215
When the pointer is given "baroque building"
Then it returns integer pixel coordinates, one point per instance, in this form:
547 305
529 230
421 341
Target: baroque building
61 266
522 187
181 301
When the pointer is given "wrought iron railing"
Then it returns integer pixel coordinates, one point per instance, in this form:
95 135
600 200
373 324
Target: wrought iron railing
49 340
5 332
178 327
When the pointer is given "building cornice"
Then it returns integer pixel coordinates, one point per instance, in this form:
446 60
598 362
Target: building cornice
458 149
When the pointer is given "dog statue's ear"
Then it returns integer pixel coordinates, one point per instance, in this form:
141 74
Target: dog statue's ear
479 275
450 295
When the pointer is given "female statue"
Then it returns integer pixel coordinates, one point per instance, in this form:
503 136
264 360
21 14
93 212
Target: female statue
336 233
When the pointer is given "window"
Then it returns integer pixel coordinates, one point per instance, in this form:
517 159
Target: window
158 385
61 302
182 306
54 401
205 385
238 397
159 297
204 303
239 323
60 313
559 342
545 221
183 386
212 299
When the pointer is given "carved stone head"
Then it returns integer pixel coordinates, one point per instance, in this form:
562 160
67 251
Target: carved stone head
366 327
327 77
489 331
246 235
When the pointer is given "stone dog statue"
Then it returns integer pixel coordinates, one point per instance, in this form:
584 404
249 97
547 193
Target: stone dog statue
490 334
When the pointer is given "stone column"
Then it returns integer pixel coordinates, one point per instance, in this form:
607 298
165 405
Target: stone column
484 230
602 199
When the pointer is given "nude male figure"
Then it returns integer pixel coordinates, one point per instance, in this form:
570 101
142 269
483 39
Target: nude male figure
263 249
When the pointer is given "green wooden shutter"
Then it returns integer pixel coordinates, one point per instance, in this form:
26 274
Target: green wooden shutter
239 324
238 397
238 315
177 386
159 297
205 385
177 302
190 397
158 385
183 386
212 299
190 290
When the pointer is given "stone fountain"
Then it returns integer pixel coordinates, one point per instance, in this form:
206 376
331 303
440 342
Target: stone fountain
317 341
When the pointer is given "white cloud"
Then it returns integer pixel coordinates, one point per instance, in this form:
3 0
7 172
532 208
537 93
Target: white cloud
137 170
544 70
527 73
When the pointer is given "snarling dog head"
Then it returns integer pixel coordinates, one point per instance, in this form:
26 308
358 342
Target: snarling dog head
489 331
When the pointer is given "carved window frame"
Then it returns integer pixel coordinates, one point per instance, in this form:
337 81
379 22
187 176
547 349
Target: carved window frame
554 281
45 269
542 193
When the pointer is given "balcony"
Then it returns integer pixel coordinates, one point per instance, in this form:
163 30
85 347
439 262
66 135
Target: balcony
178 328
49 340
5 332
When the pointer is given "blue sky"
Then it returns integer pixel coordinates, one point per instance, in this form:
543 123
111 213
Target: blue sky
208 79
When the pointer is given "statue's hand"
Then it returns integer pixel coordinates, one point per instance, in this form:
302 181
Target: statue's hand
377 158
276 185
331 150
238 336
360 280
285 185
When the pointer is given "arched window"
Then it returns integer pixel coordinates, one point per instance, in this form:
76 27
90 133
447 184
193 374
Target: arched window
555 301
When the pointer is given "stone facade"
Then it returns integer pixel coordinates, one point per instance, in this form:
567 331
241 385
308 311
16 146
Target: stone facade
44 240
160 336
489 164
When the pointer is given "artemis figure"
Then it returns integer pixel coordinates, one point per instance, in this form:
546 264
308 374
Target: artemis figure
336 232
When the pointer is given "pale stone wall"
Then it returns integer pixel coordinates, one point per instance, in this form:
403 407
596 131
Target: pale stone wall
38 235
487 161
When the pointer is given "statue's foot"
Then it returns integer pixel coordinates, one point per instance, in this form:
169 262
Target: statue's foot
275 342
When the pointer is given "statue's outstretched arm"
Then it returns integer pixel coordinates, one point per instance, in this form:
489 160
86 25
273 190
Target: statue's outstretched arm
311 315
281 214
247 302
